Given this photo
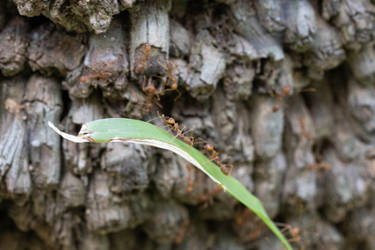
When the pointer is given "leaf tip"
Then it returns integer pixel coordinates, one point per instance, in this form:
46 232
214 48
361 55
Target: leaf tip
72 138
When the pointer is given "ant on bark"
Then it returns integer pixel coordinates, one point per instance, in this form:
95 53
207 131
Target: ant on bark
320 166
143 61
294 232
225 168
213 154
304 132
141 66
182 231
89 77
151 93
173 125
207 199
172 79
284 93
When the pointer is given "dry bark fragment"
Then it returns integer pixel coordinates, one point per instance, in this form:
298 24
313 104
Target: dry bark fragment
103 213
126 164
295 19
14 41
167 217
52 50
43 103
327 51
180 40
355 19
322 109
86 110
72 191
361 102
267 128
268 182
77 16
300 132
14 169
106 62
362 64
31 8
346 187
246 23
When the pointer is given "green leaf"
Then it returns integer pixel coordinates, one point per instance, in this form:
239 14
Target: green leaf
134 131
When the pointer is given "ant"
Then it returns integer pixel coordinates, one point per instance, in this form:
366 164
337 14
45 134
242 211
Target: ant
182 231
151 92
225 168
87 78
172 78
214 154
141 66
207 197
304 133
294 232
284 93
241 216
320 166
173 125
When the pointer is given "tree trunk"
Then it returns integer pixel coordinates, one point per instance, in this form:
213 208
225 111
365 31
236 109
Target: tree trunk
282 89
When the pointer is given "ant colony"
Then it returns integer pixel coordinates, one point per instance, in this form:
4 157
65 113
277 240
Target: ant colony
157 78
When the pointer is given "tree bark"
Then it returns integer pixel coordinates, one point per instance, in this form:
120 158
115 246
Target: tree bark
282 89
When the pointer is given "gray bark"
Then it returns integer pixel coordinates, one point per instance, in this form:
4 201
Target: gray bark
245 71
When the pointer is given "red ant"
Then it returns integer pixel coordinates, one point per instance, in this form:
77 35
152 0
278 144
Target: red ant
91 76
294 232
214 155
320 166
207 198
286 91
151 92
182 231
173 125
225 168
304 133
172 78
141 66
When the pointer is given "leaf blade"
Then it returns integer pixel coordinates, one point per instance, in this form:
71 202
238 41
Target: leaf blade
135 131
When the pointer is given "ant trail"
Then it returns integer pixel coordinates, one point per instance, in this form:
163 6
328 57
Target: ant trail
180 133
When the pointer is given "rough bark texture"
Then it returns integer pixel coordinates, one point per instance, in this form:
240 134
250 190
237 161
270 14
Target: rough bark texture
245 71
